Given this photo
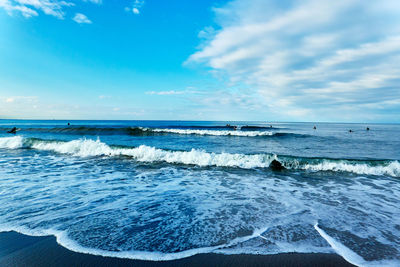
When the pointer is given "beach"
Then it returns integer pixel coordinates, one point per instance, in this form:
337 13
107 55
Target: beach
22 250
199 193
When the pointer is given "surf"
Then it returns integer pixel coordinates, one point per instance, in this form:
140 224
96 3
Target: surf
245 131
90 148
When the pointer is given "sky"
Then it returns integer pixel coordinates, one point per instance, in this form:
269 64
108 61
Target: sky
264 60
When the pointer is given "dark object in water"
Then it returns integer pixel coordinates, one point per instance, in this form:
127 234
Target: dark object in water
315 127
350 131
13 130
276 165
367 128
233 127
68 124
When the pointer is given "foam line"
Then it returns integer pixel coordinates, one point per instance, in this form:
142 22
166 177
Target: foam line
341 249
214 132
63 240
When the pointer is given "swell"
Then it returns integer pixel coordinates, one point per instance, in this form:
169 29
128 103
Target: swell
196 157
247 131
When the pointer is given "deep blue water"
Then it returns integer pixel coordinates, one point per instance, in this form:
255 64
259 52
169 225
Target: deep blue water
169 189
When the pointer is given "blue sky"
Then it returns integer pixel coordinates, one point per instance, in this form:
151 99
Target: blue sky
200 60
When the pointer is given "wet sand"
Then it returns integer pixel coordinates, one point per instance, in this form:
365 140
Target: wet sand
22 250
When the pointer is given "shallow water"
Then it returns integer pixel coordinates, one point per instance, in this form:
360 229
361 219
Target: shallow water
170 189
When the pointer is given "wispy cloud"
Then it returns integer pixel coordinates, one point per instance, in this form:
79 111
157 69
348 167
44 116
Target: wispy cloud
81 18
98 2
136 7
308 57
174 92
13 99
31 8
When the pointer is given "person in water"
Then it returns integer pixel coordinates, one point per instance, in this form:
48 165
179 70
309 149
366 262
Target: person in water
13 130
315 127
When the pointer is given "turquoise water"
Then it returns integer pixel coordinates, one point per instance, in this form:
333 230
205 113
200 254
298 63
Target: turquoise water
163 190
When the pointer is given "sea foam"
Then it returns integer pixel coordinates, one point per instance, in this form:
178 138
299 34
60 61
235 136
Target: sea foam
214 132
143 153
11 142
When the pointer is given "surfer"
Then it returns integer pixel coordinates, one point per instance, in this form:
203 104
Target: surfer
350 131
68 124
315 127
13 130
367 128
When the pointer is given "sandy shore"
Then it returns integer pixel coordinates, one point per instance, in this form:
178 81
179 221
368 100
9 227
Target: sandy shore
22 250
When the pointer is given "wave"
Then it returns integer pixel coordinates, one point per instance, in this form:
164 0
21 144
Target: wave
141 131
143 153
213 132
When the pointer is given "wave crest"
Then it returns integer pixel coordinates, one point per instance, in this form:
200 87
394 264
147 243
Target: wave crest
214 132
143 153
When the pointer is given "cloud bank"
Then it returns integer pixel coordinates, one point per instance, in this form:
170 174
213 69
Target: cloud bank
309 60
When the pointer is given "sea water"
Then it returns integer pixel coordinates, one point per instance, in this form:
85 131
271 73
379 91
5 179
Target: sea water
161 190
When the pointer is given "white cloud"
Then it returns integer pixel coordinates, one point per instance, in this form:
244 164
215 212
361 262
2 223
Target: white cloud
188 91
98 2
81 18
10 7
30 8
302 57
136 6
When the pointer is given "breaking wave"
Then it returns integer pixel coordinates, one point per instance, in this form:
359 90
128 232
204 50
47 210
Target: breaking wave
249 131
143 153
213 132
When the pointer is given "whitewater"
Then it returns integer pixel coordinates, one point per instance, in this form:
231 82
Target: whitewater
164 190
88 147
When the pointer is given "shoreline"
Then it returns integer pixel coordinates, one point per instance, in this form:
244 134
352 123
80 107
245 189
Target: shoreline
23 250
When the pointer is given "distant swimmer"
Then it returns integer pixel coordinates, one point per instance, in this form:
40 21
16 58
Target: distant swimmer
270 126
367 128
234 127
315 127
13 130
68 124
350 131
276 165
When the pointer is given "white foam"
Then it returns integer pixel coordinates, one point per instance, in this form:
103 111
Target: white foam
11 142
63 240
392 169
87 147
143 153
214 132
341 249
350 255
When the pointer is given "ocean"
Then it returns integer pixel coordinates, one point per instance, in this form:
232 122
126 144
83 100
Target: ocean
163 190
